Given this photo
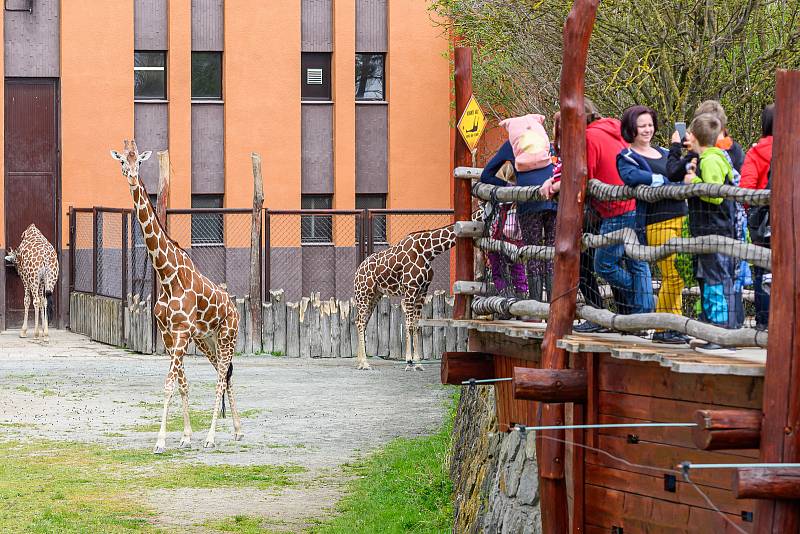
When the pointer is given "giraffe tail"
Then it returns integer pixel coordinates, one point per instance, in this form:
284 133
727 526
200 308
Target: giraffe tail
227 381
48 291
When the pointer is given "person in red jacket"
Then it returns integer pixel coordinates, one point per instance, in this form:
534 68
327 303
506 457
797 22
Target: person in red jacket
755 175
758 159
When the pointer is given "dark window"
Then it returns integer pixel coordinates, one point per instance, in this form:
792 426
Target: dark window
207 228
207 75
374 202
315 75
150 75
370 84
316 228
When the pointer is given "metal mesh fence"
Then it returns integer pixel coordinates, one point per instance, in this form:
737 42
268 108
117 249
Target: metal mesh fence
311 251
82 244
111 253
218 242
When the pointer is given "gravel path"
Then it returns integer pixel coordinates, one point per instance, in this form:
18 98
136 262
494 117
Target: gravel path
318 414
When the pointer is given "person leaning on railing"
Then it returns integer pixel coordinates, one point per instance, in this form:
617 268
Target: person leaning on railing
644 164
709 216
756 173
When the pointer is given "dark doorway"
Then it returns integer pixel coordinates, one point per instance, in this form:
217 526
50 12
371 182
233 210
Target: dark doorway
31 175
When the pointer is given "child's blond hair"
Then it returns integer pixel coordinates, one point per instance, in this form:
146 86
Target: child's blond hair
706 128
714 108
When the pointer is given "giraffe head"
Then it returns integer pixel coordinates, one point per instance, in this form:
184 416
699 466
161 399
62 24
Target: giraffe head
130 159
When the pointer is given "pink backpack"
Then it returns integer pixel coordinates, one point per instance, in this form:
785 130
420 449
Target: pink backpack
529 141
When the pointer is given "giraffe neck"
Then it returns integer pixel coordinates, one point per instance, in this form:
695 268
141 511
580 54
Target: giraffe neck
442 239
158 244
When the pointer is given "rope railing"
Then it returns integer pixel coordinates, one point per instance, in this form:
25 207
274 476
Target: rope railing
604 192
709 244
513 252
742 337
507 193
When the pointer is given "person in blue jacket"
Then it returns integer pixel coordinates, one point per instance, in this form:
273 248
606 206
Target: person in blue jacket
537 220
642 163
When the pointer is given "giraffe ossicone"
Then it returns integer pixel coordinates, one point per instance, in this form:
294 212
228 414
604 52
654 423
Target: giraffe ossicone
403 270
36 262
190 307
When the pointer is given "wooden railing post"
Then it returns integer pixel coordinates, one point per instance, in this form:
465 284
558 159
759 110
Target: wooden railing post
780 435
551 453
462 201
255 252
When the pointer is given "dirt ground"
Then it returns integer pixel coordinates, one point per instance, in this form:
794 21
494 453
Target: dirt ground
318 414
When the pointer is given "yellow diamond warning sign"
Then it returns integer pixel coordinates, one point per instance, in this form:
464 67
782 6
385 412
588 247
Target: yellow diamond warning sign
472 123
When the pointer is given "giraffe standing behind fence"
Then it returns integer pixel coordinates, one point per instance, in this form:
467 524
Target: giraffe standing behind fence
402 270
37 264
190 307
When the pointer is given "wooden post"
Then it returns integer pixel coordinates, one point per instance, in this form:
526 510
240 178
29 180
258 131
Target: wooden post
460 366
462 201
768 483
780 436
727 429
549 385
255 251
569 222
162 200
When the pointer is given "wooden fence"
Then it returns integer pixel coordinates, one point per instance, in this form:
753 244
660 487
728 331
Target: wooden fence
310 328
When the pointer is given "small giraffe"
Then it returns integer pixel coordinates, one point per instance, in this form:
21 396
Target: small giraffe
401 270
37 264
190 307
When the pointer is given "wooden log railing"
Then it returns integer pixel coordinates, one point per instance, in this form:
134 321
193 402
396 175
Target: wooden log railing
727 429
550 385
780 483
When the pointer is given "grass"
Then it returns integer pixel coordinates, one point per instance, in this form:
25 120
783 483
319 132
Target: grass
75 487
199 419
242 524
404 487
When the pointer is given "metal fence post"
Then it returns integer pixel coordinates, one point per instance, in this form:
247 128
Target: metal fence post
72 220
267 254
124 291
95 241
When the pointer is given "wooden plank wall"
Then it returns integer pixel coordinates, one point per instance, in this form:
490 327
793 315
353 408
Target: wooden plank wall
635 498
512 412
311 328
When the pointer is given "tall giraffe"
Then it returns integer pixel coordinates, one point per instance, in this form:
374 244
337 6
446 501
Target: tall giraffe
37 264
190 307
401 270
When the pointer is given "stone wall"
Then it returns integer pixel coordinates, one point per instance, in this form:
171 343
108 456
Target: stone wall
495 477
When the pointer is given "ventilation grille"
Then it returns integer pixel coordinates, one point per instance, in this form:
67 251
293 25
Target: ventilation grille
314 76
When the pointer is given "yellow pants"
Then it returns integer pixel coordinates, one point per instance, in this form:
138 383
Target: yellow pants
670 299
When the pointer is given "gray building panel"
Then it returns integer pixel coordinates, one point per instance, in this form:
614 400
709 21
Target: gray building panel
317 26
371 27
346 265
32 39
317 149
318 276
372 152
150 24
208 148
208 25
286 273
151 133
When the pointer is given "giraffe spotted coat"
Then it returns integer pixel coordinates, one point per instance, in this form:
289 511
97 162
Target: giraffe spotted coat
190 307
37 264
402 270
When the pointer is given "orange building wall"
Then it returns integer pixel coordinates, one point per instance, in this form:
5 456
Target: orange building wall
344 97
179 94
96 103
262 101
419 109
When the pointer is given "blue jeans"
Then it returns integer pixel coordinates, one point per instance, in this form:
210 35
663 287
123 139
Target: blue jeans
762 299
632 278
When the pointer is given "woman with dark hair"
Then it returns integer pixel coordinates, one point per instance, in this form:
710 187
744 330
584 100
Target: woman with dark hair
755 175
644 164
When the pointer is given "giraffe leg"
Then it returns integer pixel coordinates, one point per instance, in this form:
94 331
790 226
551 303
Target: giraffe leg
176 346
416 313
226 344
35 292
237 422
45 330
366 305
24 331
407 306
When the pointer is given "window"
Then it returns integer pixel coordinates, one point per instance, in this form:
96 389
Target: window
316 228
369 77
374 202
207 75
315 76
207 228
150 75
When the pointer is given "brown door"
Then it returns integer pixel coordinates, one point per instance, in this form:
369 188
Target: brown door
31 174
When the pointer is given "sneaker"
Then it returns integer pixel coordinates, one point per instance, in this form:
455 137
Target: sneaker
670 337
588 327
713 348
